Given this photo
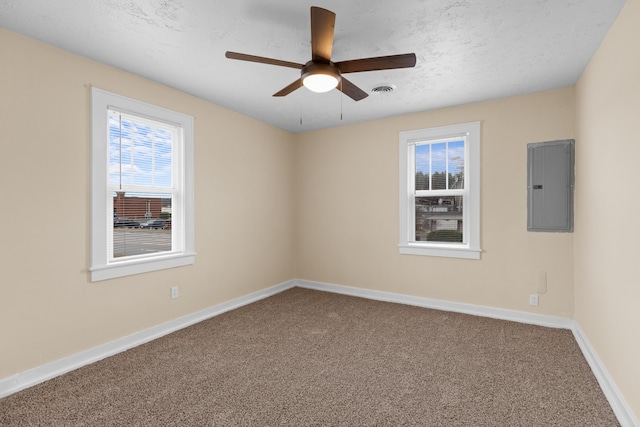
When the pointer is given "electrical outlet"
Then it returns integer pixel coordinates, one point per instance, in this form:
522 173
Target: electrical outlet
174 292
533 299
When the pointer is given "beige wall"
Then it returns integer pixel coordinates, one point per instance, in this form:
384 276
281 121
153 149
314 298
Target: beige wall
607 268
48 308
339 189
347 209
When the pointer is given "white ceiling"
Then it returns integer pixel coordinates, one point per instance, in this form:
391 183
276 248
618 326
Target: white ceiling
467 50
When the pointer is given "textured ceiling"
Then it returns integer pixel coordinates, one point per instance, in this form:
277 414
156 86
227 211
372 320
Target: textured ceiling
467 50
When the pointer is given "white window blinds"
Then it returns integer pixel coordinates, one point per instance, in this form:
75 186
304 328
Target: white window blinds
143 182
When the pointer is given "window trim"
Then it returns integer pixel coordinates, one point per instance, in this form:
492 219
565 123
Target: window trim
471 249
101 268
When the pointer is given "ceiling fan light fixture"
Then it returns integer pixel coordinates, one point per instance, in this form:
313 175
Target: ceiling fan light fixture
320 82
320 77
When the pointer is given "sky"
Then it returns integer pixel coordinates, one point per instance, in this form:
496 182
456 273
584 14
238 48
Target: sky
439 156
146 151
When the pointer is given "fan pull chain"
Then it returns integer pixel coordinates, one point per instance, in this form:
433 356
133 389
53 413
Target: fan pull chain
341 96
301 115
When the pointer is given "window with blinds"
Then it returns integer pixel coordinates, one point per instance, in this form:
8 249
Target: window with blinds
142 187
439 190
439 194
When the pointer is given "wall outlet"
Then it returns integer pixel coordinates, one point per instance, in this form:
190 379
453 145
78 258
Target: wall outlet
533 299
174 292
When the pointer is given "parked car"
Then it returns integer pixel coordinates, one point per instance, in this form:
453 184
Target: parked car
167 225
154 223
125 223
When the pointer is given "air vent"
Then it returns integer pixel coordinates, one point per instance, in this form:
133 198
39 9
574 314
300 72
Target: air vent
382 89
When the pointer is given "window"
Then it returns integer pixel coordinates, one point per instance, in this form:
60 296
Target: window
440 191
142 187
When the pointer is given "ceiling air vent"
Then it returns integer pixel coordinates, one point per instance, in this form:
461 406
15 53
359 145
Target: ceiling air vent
382 89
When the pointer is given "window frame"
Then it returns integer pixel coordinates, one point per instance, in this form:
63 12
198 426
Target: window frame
470 248
103 268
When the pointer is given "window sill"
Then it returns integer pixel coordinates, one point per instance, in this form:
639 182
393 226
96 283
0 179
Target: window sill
440 251
126 268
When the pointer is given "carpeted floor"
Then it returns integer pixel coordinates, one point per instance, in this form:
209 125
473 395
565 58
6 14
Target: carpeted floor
305 357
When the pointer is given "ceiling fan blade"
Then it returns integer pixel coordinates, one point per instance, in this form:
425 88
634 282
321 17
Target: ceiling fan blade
406 60
262 60
351 90
287 90
322 27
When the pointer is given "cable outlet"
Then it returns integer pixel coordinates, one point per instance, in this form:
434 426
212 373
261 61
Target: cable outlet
533 299
174 292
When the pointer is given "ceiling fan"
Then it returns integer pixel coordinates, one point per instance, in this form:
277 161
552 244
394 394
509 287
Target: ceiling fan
320 74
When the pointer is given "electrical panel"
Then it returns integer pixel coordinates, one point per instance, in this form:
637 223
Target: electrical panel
550 181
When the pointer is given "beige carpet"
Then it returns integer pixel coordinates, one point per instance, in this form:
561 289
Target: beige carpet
305 357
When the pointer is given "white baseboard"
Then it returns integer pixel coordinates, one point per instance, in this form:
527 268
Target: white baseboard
45 372
457 307
616 400
56 368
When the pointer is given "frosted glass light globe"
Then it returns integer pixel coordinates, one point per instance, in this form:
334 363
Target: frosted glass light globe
320 82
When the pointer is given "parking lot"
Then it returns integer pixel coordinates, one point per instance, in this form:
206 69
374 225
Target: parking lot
136 241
